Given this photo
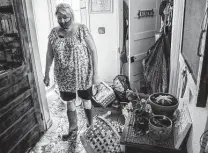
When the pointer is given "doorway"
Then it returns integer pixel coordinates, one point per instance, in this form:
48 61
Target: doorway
56 106
143 33
148 72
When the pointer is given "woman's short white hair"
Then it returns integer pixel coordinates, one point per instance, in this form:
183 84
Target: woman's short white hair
65 8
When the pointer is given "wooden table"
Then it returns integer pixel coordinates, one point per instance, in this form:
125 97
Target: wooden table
135 143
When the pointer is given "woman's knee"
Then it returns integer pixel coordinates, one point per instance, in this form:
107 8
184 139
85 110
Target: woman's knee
71 105
87 104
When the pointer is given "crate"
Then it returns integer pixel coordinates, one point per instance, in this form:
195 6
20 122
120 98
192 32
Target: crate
105 95
101 137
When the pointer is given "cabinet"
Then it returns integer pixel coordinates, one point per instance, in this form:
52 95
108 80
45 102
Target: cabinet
21 119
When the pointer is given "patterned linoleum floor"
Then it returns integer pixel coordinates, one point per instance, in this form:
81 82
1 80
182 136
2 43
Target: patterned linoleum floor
51 141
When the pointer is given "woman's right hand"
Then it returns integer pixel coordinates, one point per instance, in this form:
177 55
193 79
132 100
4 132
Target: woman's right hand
46 80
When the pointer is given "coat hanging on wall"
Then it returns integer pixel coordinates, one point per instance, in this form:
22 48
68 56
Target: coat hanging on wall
157 63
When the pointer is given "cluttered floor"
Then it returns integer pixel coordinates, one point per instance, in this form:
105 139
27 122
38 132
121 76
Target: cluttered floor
122 118
51 141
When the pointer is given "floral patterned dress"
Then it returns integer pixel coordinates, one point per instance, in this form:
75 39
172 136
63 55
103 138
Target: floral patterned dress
73 69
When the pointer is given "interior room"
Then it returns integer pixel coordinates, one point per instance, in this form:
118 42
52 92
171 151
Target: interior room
145 67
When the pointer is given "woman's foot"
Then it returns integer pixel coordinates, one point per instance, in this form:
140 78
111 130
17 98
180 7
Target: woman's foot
88 113
72 118
65 137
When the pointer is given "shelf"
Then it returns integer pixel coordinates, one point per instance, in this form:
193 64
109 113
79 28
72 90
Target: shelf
6 9
11 34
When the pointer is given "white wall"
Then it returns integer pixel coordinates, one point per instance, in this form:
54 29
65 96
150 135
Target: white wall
107 44
198 115
42 23
43 27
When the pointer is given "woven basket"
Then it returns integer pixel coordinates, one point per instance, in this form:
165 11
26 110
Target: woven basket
101 138
105 95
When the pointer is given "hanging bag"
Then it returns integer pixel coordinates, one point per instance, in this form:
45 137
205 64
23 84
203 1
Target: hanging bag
156 67
120 86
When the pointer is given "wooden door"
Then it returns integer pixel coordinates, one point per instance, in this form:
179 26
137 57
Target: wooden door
21 121
144 22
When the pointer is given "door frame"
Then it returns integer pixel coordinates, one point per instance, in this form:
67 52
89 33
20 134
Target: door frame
121 34
35 57
176 45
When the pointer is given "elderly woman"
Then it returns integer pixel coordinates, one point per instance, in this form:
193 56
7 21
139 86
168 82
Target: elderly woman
75 63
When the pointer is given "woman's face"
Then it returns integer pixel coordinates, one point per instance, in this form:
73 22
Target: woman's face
64 20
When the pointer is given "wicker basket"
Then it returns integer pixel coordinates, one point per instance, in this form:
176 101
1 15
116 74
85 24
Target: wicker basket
105 95
101 138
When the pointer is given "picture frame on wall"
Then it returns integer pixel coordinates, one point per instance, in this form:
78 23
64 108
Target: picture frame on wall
101 6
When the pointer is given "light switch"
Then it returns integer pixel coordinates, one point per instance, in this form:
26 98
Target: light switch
101 30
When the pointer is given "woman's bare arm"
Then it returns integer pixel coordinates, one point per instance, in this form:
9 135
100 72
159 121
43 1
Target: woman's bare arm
91 45
49 59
